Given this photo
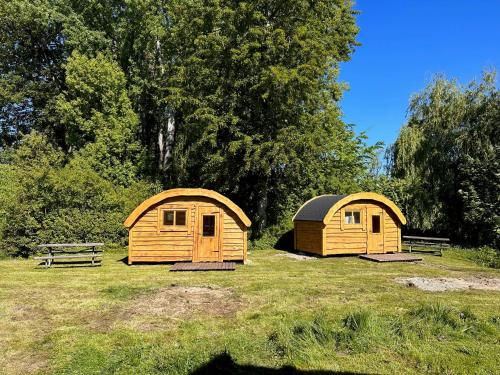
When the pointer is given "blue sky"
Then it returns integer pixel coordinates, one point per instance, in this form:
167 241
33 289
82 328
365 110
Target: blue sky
404 43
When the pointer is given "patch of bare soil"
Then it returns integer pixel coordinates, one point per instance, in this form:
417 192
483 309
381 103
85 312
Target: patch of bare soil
151 310
442 284
299 256
161 308
180 301
29 321
26 362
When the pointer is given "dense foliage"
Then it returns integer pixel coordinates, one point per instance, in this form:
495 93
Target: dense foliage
99 98
59 201
105 102
446 161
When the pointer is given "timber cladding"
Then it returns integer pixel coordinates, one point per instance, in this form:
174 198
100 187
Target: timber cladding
196 225
348 224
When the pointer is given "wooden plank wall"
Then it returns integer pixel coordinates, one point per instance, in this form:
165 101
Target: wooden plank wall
350 240
233 238
353 240
392 232
146 244
149 245
309 236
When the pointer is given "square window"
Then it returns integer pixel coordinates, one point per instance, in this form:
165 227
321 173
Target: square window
180 218
352 217
168 217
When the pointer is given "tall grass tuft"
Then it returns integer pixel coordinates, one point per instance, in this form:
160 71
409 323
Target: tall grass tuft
435 313
298 339
358 321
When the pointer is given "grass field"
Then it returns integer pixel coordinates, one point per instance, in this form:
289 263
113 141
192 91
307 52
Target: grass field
273 315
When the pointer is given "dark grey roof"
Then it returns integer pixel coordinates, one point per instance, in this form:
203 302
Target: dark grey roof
317 208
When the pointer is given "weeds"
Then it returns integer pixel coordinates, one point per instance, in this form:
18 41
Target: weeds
435 313
363 331
484 256
357 321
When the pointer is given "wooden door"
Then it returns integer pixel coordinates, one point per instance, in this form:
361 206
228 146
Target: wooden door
375 226
208 246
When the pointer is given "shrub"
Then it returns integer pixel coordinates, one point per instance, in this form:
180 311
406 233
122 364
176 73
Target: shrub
276 236
57 202
485 255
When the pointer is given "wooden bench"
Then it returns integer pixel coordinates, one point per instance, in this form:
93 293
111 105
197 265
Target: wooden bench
59 251
433 245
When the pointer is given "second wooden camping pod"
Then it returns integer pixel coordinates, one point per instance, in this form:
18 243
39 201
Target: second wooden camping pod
348 224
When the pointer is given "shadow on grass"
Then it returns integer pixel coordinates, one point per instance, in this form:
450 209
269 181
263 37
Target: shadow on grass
124 260
71 264
223 364
285 242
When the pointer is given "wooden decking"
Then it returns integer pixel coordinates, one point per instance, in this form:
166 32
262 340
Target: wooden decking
205 266
397 257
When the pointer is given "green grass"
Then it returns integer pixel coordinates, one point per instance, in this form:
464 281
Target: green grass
337 314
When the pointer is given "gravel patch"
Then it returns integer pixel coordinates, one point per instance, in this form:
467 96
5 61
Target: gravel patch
300 256
442 284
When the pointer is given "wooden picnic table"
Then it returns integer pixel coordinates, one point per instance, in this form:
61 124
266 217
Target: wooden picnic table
59 251
419 244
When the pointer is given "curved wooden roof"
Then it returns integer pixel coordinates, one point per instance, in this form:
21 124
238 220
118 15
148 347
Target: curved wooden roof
184 192
323 207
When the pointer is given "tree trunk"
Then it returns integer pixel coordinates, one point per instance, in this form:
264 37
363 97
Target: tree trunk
262 210
166 141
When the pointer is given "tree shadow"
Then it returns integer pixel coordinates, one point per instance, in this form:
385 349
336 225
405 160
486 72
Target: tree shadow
223 364
285 242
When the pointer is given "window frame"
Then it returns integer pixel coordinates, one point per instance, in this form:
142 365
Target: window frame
173 228
345 225
203 216
372 230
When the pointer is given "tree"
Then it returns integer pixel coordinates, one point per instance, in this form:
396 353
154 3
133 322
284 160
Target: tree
254 91
97 115
36 38
447 157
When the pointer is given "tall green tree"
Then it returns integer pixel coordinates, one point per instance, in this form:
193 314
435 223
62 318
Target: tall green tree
446 158
98 120
36 38
255 93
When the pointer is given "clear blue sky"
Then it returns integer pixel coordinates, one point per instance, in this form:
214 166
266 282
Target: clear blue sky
404 43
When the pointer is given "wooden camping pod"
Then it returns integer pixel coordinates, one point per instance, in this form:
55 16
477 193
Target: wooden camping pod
196 225
348 224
